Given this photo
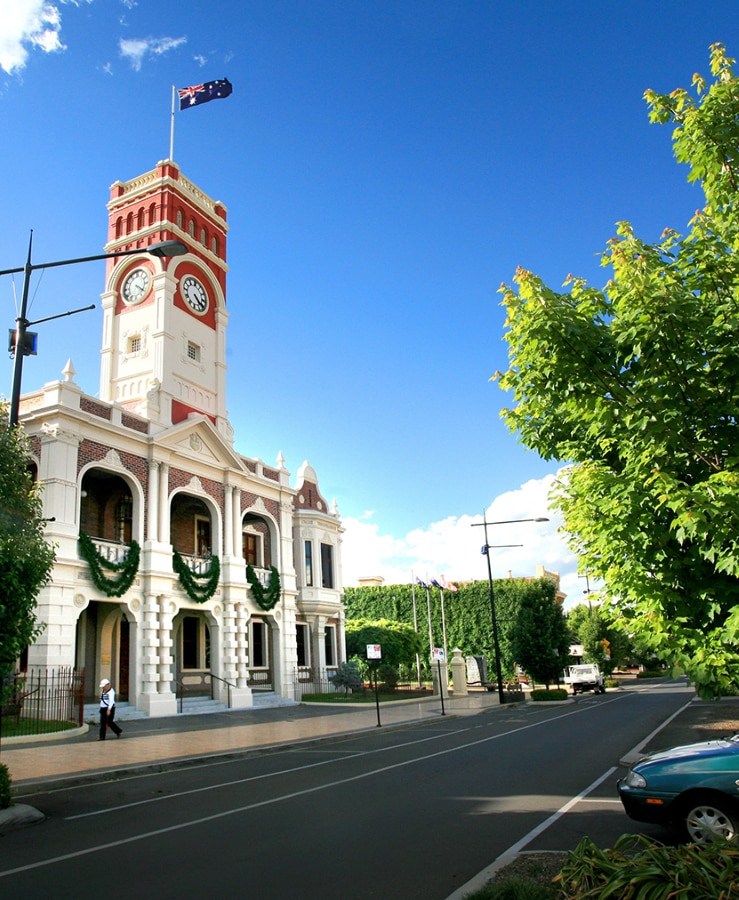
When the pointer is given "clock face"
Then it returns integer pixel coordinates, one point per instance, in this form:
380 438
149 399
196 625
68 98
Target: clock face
195 294
136 286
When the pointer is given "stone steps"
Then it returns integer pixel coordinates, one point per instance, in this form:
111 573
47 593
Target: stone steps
191 706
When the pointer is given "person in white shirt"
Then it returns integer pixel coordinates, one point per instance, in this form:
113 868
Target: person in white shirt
107 710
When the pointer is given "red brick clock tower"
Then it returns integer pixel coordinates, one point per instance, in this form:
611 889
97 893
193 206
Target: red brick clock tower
164 326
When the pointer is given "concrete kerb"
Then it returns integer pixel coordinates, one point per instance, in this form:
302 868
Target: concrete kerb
50 736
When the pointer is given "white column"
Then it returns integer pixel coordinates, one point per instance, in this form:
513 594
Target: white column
236 521
229 641
241 695
149 652
228 531
166 646
152 523
163 511
156 698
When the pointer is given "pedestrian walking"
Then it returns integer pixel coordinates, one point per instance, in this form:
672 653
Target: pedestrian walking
107 710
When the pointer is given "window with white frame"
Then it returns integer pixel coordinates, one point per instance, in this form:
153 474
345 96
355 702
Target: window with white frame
252 548
203 545
194 643
327 566
258 644
302 640
330 644
308 563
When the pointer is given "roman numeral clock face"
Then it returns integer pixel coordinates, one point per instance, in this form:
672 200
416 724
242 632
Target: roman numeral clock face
195 294
136 286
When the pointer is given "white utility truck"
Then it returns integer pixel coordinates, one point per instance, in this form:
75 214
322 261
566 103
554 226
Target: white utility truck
585 677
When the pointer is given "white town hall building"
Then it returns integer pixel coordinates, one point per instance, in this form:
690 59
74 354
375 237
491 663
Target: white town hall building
181 565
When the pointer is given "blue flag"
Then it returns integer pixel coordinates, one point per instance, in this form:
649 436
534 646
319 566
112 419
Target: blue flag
202 93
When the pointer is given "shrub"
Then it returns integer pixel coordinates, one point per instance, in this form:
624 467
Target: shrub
348 676
6 792
651 673
611 682
388 675
554 694
640 867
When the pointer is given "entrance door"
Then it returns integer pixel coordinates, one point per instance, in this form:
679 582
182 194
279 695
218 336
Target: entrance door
123 658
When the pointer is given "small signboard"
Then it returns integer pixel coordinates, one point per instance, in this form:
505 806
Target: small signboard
438 655
374 651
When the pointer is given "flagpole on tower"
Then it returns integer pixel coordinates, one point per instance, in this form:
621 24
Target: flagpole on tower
171 128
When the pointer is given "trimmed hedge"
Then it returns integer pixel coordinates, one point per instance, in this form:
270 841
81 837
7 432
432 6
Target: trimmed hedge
544 695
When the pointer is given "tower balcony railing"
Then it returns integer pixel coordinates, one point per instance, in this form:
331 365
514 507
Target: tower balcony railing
198 565
111 551
263 575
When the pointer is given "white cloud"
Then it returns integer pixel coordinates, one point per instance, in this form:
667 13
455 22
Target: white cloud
451 547
27 25
135 50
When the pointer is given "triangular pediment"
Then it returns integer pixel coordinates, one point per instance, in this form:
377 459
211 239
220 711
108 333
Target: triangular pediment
197 438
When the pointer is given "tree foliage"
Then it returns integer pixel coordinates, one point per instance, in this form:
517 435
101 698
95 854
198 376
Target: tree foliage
26 557
603 642
467 614
540 640
399 642
636 386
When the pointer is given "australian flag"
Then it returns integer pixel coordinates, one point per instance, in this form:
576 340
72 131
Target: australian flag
202 93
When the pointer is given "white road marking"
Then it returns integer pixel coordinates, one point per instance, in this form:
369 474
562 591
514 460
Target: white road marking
144 836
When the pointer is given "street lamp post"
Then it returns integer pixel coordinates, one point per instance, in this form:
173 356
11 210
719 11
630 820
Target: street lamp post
486 550
160 249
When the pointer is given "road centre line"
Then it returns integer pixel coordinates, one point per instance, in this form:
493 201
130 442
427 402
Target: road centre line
110 845
226 784
290 771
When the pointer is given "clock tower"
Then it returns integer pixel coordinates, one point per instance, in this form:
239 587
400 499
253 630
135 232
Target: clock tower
164 326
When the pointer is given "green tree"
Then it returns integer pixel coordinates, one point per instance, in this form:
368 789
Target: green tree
26 557
636 386
540 640
399 642
468 616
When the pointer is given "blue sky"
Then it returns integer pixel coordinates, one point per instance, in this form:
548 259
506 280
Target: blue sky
385 165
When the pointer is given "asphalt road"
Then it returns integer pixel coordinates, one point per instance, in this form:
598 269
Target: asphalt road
409 813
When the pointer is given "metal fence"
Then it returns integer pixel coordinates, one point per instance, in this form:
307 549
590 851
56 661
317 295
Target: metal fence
309 681
38 700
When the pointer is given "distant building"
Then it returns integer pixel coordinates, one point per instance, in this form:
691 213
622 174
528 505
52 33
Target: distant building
149 464
370 580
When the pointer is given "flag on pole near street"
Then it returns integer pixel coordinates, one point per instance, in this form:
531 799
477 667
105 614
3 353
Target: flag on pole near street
202 93
447 585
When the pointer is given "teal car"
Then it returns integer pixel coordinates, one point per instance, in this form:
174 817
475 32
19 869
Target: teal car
695 787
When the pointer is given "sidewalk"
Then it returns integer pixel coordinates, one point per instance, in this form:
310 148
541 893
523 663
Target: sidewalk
175 740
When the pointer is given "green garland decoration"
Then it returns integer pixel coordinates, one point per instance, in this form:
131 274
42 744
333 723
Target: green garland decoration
112 586
266 599
198 592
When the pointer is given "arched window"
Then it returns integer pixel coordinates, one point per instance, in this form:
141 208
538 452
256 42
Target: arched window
140 223
152 213
119 226
214 244
180 218
191 228
129 223
203 237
